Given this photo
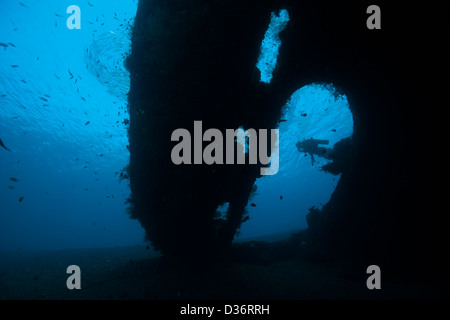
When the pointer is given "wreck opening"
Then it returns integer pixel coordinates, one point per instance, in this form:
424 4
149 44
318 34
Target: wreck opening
267 60
307 178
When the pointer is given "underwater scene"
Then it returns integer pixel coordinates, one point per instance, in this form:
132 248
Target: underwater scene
193 150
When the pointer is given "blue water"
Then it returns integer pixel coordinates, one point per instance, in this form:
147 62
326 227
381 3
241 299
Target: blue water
66 169
63 97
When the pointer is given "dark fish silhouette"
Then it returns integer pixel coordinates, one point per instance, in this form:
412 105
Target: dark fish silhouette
3 145
281 197
253 205
14 179
3 44
20 199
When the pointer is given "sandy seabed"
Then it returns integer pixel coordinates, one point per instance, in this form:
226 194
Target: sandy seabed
140 273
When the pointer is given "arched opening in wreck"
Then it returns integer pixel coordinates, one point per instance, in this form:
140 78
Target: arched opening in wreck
314 120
